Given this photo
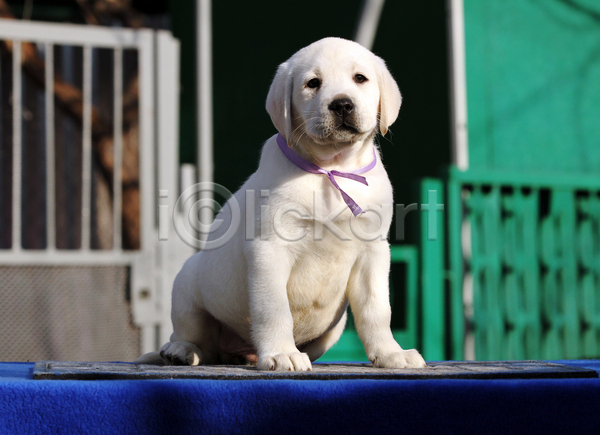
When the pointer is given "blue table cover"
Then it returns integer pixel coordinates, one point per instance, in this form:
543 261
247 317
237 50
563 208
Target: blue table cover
565 406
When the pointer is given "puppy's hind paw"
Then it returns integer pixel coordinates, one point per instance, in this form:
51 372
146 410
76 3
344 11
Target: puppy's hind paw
405 359
181 353
293 361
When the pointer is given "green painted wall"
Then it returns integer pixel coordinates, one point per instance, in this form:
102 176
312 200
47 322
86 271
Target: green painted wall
533 79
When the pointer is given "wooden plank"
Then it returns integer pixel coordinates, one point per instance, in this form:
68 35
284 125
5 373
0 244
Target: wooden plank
65 370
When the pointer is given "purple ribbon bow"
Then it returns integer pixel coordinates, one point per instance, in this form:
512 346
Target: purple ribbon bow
314 169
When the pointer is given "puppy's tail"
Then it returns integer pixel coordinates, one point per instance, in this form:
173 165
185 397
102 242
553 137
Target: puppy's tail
152 358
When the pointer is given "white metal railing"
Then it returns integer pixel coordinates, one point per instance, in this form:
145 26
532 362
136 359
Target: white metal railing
88 37
152 266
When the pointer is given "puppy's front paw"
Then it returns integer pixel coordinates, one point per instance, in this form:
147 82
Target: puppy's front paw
405 359
294 361
181 353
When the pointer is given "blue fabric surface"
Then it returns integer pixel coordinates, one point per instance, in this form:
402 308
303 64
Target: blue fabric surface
269 406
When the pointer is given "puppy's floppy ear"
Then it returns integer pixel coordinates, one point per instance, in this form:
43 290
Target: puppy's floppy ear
389 96
279 100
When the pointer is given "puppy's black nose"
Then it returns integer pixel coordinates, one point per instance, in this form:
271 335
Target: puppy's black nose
342 107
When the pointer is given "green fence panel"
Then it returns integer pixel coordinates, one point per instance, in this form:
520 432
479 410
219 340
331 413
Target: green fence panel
433 270
589 258
456 262
408 335
350 348
531 248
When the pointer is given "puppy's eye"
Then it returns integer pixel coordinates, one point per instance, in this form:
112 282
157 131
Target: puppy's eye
314 84
359 78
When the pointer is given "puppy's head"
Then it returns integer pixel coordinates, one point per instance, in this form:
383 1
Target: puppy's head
333 91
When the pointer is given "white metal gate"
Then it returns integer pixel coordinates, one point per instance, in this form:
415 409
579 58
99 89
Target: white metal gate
51 226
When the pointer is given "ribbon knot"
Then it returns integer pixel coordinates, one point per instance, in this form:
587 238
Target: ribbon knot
314 169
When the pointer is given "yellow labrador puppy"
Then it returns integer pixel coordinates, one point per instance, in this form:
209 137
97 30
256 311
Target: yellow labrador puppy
306 233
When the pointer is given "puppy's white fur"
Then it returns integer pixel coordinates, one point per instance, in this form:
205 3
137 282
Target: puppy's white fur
279 288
